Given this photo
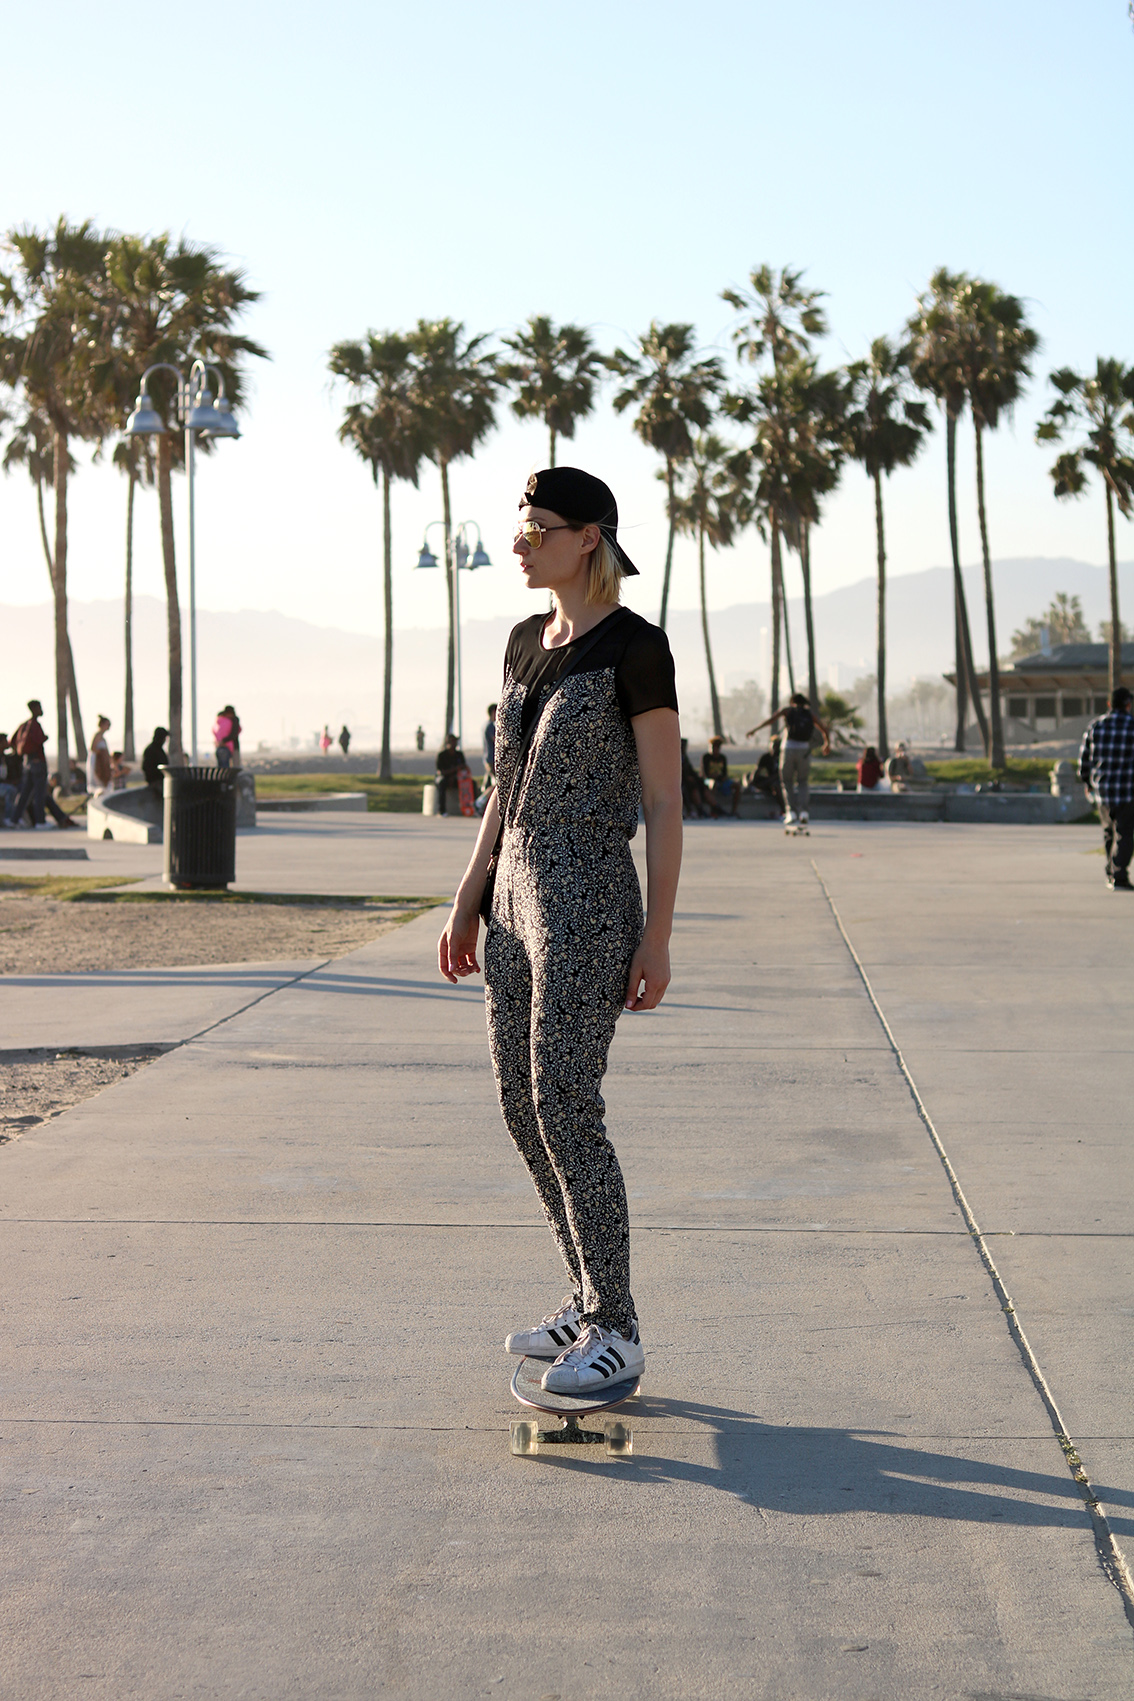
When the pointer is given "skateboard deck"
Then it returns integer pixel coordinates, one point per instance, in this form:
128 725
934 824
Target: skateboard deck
795 830
465 793
528 1437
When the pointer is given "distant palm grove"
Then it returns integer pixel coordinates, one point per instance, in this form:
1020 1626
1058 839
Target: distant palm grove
761 441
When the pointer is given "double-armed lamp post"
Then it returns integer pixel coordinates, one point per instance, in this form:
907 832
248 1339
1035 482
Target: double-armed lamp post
465 556
196 413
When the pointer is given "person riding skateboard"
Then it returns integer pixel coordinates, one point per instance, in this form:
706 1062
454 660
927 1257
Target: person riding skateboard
800 727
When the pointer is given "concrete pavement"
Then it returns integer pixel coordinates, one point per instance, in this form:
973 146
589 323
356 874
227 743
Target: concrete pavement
254 1409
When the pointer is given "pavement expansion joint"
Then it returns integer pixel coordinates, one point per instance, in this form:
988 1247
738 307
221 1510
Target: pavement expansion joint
1111 1558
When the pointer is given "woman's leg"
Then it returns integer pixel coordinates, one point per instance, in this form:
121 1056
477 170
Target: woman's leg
508 1000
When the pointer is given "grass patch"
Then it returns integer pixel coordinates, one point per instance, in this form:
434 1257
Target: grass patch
398 796
66 888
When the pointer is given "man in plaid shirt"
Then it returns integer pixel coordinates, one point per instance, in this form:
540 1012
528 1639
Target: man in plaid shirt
1106 766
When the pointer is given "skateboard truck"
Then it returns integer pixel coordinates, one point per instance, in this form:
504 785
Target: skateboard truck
529 1438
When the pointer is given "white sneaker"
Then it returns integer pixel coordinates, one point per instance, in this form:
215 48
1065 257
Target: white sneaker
789 818
599 1356
804 817
550 1336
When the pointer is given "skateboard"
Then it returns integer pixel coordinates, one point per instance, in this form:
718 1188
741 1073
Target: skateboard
795 828
529 1438
465 792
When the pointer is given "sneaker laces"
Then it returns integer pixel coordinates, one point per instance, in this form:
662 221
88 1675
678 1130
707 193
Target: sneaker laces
558 1316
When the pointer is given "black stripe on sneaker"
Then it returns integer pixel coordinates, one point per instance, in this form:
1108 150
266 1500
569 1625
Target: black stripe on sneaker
558 1339
603 1363
571 1334
614 1353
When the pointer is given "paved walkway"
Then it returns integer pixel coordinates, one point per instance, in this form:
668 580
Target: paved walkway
254 1409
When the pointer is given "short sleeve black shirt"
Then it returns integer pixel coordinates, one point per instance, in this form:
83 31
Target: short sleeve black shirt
638 652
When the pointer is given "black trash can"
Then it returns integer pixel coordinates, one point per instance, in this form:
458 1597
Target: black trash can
199 827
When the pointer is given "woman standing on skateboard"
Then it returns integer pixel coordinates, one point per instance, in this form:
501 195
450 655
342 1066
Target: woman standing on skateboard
586 727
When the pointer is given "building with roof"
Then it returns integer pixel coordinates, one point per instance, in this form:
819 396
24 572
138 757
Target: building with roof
1056 692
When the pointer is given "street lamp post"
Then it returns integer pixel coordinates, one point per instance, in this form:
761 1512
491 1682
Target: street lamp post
196 412
466 556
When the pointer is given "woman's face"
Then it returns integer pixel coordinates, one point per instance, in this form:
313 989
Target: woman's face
562 557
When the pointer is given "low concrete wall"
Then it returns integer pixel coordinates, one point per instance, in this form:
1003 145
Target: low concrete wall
934 804
131 817
336 800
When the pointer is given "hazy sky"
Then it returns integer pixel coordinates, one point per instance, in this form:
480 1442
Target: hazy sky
369 164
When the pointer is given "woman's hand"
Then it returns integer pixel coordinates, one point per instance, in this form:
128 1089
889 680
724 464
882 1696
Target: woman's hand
456 948
649 975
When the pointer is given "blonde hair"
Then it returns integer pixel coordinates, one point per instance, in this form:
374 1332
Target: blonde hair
604 583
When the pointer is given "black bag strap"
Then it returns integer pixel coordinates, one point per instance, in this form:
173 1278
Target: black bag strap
586 644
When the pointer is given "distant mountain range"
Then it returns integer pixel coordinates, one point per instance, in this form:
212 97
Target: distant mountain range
287 677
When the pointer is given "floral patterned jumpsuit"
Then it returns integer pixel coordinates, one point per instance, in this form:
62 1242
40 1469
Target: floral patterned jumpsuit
566 921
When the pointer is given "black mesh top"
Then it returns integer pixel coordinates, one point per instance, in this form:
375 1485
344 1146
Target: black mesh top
638 652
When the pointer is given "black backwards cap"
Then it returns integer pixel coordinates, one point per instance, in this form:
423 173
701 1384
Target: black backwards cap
580 497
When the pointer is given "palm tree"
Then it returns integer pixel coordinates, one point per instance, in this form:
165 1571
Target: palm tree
45 315
936 366
29 445
554 375
382 425
819 403
672 392
997 349
452 389
780 320
711 503
176 302
885 430
1102 408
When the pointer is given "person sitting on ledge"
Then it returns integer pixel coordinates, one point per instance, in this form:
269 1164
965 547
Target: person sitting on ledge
899 769
869 769
450 761
714 772
154 759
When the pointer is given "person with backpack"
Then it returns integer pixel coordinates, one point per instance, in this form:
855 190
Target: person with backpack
800 727
586 728
28 741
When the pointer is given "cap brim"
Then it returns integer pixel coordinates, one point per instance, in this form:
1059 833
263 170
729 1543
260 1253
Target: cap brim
628 568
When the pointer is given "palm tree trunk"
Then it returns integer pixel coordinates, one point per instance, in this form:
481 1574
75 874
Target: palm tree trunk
172 606
808 617
966 673
996 743
450 581
1115 623
553 434
787 635
62 646
880 533
713 697
128 624
72 688
669 508
777 598
384 769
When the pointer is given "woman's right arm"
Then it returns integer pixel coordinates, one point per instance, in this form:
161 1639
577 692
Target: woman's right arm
456 949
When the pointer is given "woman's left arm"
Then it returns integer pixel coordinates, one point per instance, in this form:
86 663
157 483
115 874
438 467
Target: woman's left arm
657 734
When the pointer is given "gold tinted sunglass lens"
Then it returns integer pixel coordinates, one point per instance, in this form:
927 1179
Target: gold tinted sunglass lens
532 533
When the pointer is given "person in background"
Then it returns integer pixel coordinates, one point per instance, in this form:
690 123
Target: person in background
450 761
226 737
899 769
490 748
868 769
29 739
714 772
118 771
800 727
1106 767
419 738
344 740
154 759
325 739
98 760
695 798
11 768
764 779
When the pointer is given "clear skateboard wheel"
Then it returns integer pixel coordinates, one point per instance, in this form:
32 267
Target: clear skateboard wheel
525 1438
619 1441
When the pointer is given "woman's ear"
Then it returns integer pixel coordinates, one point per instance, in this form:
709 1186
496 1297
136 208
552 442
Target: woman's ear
588 539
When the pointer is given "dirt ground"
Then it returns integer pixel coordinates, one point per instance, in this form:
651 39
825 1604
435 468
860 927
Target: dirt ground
37 1085
41 935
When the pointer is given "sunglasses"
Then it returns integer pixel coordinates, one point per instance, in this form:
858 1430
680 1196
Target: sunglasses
533 533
